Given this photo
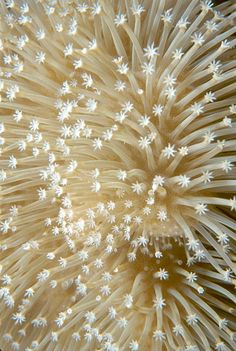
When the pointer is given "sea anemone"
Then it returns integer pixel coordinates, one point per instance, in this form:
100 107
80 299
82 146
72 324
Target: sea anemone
117 175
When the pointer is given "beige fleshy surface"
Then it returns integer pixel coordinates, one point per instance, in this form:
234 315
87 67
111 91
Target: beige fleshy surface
117 175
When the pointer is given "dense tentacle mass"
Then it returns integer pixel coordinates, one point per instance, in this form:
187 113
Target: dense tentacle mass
117 177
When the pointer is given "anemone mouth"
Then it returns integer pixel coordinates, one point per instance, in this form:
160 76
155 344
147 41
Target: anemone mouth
117 177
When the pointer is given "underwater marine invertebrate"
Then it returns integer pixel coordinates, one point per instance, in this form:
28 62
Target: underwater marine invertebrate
117 175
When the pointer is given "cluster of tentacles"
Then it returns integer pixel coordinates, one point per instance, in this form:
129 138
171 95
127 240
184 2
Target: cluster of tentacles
117 176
